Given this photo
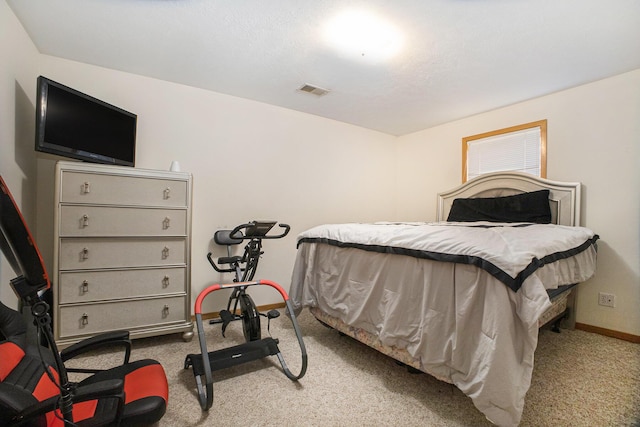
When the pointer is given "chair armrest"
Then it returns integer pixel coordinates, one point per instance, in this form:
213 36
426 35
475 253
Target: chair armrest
113 389
101 389
108 339
27 416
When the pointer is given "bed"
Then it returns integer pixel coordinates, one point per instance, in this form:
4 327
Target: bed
463 298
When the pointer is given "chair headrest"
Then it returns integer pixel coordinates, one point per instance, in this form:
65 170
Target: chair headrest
12 326
20 249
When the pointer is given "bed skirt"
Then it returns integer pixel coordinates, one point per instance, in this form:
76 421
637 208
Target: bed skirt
556 311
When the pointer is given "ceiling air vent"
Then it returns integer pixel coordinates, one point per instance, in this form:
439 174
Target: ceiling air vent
315 90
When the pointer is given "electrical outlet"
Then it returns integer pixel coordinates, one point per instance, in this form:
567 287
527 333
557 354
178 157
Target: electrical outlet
608 300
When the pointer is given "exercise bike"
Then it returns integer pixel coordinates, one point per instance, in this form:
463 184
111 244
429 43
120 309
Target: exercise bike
255 347
244 267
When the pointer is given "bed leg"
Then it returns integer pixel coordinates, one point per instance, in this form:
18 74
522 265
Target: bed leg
565 316
568 318
572 302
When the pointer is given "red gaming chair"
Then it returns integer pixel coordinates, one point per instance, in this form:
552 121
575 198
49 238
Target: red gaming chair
34 386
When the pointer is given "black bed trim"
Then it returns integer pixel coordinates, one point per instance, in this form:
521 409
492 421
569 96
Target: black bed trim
513 283
559 290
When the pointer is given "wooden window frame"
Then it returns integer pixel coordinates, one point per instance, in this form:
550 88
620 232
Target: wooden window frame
542 124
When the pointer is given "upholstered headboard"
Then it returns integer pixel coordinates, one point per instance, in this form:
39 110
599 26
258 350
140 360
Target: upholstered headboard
564 197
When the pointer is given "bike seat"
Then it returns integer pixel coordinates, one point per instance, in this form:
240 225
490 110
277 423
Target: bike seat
229 259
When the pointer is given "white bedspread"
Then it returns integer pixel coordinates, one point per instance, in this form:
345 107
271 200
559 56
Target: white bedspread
510 252
458 319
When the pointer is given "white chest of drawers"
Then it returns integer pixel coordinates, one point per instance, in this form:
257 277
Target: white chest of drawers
122 251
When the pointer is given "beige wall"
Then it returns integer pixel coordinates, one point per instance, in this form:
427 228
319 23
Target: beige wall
255 161
594 138
249 160
18 59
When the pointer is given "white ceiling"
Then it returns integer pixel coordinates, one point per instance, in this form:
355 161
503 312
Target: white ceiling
459 58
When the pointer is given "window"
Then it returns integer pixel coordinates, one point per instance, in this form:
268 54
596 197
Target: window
519 148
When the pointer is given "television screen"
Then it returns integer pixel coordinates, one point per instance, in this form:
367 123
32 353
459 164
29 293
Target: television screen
72 124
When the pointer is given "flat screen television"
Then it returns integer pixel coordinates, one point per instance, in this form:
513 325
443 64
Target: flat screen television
73 124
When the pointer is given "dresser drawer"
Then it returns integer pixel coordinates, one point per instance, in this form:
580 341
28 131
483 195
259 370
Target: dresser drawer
91 286
116 221
104 252
95 318
86 187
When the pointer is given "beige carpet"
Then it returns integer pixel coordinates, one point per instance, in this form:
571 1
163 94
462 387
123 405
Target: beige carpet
580 379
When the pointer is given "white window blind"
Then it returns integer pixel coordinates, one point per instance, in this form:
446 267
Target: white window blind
508 150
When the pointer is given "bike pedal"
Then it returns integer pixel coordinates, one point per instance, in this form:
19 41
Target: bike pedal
226 316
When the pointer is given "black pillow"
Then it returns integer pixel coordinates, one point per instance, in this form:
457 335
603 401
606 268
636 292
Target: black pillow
525 207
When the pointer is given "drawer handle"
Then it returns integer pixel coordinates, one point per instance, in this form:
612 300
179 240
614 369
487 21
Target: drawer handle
84 255
165 281
84 321
165 310
84 287
165 253
166 223
167 193
85 220
86 188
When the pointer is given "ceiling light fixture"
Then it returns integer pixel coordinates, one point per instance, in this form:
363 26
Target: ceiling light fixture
363 34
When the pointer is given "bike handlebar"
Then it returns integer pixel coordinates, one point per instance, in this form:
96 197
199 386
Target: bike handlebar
257 229
253 230
218 269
